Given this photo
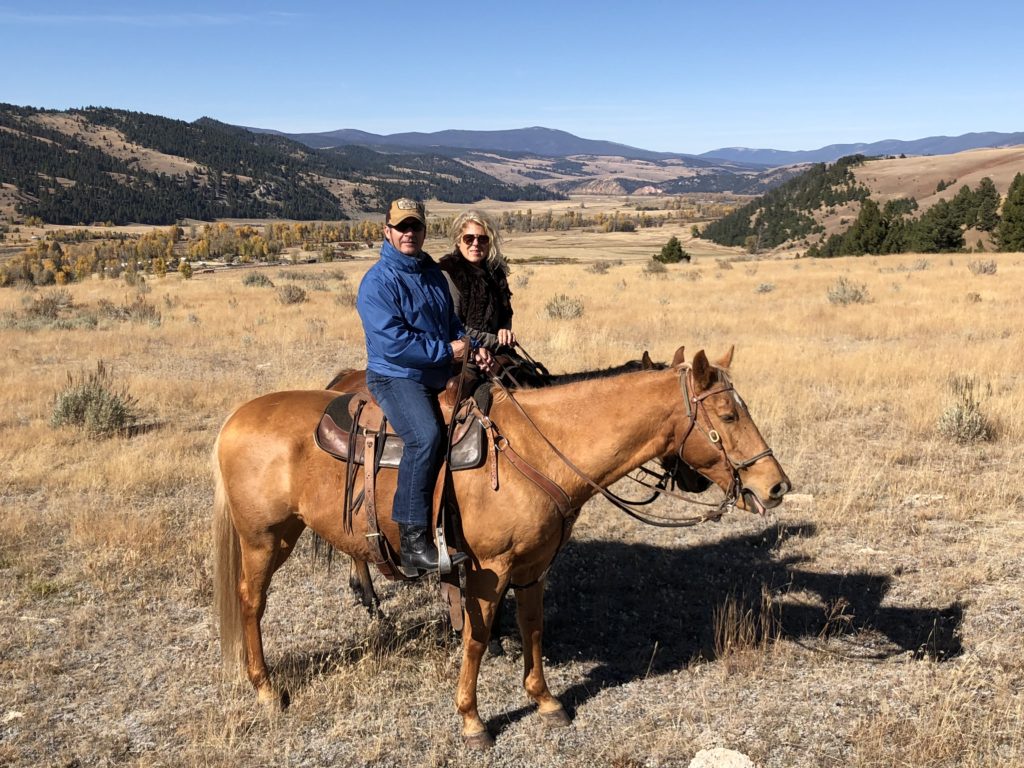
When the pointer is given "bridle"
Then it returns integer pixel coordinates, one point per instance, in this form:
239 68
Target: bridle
695 408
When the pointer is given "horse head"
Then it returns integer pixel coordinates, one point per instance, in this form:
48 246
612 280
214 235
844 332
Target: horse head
717 437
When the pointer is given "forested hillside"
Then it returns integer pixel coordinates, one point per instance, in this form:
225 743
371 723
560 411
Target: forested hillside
794 212
98 164
784 213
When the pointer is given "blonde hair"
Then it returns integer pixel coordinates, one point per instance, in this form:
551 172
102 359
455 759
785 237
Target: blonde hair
495 258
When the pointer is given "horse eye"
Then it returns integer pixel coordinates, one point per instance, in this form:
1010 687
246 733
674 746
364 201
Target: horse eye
730 417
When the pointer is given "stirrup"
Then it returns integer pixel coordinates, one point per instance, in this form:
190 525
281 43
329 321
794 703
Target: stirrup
446 562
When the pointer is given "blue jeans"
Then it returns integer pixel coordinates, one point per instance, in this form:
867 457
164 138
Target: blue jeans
412 409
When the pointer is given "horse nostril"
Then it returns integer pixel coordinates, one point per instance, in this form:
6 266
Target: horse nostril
780 489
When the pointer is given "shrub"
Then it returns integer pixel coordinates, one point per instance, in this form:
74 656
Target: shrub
95 404
766 288
598 267
49 305
563 307
982 267
345 297
139 311
257 280
655 268
847 292
291 294
963 421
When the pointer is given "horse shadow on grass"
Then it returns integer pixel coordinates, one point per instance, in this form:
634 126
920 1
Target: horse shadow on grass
635 610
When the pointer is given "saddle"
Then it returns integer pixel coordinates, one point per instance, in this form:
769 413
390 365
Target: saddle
350 417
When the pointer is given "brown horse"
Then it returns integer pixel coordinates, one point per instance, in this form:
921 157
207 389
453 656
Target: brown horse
272 481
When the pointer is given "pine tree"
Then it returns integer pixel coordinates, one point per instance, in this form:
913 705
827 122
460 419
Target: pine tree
868 232
937 231
987 198
965 207
1010 233
672 252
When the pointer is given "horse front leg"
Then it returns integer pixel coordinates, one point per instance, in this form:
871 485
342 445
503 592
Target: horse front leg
484 589
530 612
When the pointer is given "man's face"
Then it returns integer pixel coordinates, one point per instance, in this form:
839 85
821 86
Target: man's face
406 236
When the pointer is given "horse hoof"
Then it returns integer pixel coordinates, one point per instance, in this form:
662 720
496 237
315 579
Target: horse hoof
556 718
481 740
273 700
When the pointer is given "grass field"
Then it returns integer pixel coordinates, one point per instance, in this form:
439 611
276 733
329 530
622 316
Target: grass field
873 620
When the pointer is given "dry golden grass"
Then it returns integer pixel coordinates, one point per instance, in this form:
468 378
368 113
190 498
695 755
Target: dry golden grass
873 620
918 177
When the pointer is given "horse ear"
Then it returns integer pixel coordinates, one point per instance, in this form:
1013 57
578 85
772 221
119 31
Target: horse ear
646 363
703 373
679 358
726 359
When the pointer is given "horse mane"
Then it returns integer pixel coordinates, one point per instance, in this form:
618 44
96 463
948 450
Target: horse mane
603 373
339 376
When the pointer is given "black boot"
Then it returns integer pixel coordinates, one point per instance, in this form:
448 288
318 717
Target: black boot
418 550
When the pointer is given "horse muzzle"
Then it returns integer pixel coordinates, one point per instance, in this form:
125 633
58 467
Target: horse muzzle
750 501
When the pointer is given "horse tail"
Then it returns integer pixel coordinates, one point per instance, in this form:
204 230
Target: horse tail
227 568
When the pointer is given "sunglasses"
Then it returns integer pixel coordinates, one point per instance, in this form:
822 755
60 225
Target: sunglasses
409 225
482 239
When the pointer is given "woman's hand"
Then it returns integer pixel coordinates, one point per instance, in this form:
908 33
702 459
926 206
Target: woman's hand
505 337
483 358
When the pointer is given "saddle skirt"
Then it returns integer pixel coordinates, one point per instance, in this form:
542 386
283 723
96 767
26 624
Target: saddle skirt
349 417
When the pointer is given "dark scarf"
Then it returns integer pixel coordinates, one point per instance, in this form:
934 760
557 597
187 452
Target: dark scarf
484 293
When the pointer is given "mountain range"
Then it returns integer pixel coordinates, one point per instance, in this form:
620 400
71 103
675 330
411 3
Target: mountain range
547 142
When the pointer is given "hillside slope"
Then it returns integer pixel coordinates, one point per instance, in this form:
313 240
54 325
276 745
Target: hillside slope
98 164
792 217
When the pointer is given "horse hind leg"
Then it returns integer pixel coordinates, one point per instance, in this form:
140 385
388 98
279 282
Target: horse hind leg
361 584
261 557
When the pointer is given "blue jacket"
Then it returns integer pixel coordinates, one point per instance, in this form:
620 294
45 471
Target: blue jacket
408 318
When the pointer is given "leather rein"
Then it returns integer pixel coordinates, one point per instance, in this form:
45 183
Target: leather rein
695 408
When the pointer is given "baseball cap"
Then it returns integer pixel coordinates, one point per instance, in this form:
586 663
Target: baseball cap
405 208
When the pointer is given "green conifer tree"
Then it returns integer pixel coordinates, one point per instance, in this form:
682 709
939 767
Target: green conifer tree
1010 233
987 198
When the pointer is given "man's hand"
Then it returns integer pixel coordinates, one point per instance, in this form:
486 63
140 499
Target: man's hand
459 347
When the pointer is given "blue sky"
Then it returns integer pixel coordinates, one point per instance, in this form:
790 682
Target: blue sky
670 76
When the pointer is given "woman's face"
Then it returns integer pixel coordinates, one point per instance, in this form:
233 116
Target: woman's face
474 243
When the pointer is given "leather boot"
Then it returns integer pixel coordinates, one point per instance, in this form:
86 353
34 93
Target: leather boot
418 550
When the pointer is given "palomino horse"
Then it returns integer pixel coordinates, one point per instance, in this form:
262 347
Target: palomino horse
521 372
272 481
